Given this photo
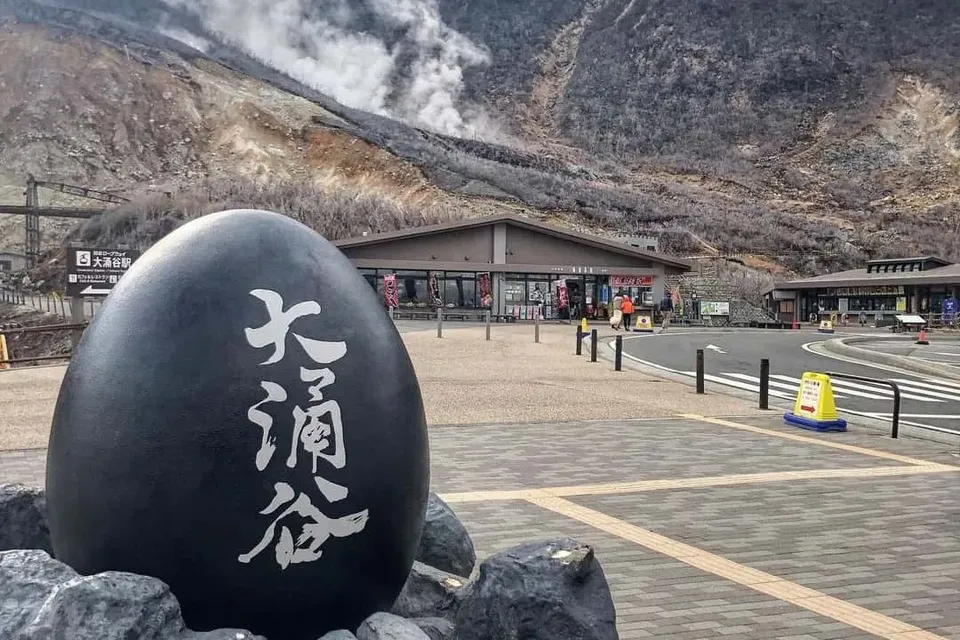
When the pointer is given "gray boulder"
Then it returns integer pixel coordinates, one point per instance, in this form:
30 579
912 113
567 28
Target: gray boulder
339 634
429 593
445 543
435 628
539 591
53 601
26 579
23 518
386 626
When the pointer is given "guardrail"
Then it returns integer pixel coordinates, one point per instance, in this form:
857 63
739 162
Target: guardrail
76 327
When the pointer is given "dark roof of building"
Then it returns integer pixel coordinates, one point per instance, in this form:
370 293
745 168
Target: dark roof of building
934 259
948 274
523 223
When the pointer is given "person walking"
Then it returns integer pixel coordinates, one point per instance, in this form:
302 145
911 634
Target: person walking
666 310
627 309
862 318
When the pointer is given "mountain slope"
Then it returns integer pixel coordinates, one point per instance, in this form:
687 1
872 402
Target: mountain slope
815 133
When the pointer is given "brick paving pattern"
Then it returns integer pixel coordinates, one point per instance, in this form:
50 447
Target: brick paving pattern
885 543
531 456
656 596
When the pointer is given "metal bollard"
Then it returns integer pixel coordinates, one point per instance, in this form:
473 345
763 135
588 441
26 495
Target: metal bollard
76 317
439 322
579 340
764 383
536 328
487 320
618 355
593 345
701 387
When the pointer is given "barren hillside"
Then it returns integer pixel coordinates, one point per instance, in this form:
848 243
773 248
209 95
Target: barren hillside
811 133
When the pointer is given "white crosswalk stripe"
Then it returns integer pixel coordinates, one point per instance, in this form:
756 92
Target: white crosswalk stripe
876 392
782 386
789 386
741 385
951 385
938 390
851 389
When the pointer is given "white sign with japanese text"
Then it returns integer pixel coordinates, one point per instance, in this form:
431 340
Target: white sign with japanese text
313 436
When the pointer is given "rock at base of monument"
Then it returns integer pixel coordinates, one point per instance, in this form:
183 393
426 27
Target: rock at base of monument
54 601
539 591
435 628
23 518
445 543
386 626
339 634
429 593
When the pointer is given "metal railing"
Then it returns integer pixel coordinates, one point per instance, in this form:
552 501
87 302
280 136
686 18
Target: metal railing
764 390
76 327
51 303
895 430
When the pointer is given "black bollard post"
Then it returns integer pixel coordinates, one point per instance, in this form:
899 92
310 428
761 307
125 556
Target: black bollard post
579 341
618 355
700 384
764 383
593 345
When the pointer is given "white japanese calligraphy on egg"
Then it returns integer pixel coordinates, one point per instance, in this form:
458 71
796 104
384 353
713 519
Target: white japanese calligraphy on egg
316 428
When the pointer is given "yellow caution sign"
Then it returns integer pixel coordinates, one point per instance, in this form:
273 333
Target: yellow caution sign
814 407
644 323
826 326
583 325
4 354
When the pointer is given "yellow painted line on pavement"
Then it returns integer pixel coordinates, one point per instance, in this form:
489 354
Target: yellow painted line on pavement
613 488
771 585
810 440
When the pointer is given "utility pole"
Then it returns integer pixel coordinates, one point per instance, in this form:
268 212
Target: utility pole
32 239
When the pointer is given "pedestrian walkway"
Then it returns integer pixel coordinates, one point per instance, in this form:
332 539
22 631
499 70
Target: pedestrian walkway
706 526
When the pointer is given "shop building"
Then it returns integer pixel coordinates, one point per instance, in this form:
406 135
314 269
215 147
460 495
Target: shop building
511 266
927 286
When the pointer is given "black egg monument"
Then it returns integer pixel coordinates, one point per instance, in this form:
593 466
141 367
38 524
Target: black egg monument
242 421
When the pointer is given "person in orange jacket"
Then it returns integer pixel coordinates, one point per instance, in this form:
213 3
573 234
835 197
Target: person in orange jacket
627 309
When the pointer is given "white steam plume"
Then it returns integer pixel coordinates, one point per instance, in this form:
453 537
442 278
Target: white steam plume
315 42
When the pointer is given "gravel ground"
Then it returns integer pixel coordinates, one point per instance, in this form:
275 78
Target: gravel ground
463 378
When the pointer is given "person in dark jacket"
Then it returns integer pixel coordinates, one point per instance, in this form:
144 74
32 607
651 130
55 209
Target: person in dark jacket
666 310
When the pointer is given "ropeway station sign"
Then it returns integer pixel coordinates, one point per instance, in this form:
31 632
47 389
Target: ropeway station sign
94 272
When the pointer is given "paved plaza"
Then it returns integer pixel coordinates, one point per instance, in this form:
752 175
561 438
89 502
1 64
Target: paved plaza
707 525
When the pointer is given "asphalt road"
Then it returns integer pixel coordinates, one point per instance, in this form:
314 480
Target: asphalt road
732 359
945 352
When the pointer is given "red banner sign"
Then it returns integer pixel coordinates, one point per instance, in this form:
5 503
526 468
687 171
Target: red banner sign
486 294
390 290
562 300
631 281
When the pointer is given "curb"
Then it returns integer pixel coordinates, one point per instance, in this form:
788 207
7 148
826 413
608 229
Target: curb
842 347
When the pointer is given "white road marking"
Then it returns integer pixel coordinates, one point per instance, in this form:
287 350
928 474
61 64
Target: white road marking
852 390
790 386
928 416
